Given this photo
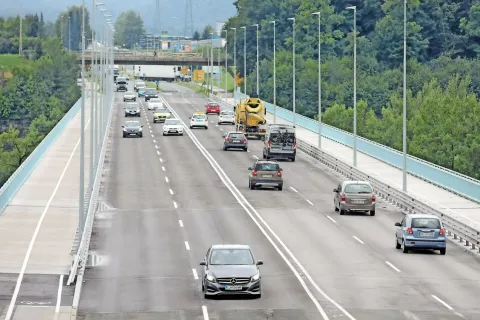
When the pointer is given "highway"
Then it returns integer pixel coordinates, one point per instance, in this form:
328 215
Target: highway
170 198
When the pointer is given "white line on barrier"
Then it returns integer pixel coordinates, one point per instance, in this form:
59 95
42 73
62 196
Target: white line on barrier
331 219
59 294
187 246
442 302
180 222
358 240
205 313
392 266
195 274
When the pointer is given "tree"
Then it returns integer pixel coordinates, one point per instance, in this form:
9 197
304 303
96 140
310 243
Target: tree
75 14
206 32
196 35
128 29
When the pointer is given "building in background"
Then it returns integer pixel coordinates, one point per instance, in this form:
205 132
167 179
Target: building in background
219 28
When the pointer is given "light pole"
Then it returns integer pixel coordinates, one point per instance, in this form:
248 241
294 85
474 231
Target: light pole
354 8
319 85
69 48
258 65
274 77
405 96
226 63
244 59
294 97
81 195
235 66
211 61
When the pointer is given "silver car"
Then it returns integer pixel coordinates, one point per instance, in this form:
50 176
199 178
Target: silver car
226 117
129 96
235 140
354 196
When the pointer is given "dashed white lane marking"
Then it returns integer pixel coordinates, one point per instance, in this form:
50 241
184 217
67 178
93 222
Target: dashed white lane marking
163 168
59 294
158 152
171 191
409 315
180 222
156 147
442 302
311 203
166 179
205 313
392 266
161 160
153 136
222 130
331 219
216 125
358 240
151 131
175 205
195 274
247 150
154 141
293 189
255 156
187 246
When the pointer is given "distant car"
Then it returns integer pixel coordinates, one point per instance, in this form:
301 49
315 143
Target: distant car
235 140
121 85
150 93
172 126
354 196
199 120
132 110
226 117
154 103
139 85
141 92
421 231
161 114
265 173
132 129
212 107
129 96
231 269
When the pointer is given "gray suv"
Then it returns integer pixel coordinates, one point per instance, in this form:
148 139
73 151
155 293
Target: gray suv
265 173
235 140
354 196
280 142
230 269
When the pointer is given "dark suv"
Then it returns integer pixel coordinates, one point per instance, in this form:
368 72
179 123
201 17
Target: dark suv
150 93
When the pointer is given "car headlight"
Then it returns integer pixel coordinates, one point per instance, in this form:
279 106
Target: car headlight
141 129
256 277
210 278
124 129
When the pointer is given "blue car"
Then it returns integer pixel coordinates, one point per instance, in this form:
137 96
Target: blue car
141 92
421 231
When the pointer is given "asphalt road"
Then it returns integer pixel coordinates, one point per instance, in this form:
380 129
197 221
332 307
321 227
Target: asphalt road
169 204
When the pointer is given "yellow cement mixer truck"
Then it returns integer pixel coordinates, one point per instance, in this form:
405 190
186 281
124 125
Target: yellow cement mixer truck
250 117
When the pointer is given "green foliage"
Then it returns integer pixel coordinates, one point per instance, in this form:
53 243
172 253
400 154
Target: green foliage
196 35
128 29
206 32
72 16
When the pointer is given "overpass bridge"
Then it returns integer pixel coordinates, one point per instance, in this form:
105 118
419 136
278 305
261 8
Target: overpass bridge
162 58
160 202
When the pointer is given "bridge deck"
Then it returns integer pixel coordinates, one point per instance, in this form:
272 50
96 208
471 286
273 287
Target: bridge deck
435 196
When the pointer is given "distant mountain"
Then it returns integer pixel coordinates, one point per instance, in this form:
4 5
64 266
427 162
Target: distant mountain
172 14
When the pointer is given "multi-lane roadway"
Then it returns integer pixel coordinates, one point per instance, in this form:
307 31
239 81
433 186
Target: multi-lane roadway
168 198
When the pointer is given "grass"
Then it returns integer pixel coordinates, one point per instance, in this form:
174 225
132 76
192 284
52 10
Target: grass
9 61
221 85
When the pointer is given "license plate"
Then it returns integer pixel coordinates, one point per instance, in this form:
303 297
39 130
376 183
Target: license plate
267 175
426 234
236 141
232 288
133 134
358 201
173 131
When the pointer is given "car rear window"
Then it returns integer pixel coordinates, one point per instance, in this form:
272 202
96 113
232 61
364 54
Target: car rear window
199 116
226 113
282 137
140 84
151 91
267 167
236 135
358 188
426 223
121 82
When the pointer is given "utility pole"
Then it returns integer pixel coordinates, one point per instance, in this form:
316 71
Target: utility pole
69 40
20 45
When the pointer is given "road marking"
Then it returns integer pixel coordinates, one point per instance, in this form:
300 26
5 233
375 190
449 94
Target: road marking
195 274
442 302
187 246
222 130
154 141
255 156
153 136
171 191
156 147
331 219
161 160
295 190
392 266
158 152
163 168
256 217
410 315
166 179
205 313
59 294
216 125
358 240
180 222
175 205
248 151
311 203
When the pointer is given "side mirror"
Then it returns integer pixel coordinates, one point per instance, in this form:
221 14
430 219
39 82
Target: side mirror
249 168
189 117
142 126
398 224
203 263
123 126
335 190
259 263
224 135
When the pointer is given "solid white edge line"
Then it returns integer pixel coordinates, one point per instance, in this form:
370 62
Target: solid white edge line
59 294
244 203
187 246
180 222
392 266
331 219
354 237
171 191
442 302
175 205
295 190
195 274
310 202
205 313
166 179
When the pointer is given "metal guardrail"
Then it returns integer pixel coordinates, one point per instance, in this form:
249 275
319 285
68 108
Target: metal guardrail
458 227
18 178
455 182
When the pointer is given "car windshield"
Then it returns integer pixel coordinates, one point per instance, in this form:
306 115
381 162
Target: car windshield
140 84
132 124
282 137
231 257
172 122
267 167
155 100
226 113
213 105
161 110
128 93
236 135
122 82
426 223
199 116
358 188
151 91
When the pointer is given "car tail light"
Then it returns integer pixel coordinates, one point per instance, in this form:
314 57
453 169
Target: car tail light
343 197
442 232
268 145
373 198
227 139
244 139
279 174
409 230
294 146
254 173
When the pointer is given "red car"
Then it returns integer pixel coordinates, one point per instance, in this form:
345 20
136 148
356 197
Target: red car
212 107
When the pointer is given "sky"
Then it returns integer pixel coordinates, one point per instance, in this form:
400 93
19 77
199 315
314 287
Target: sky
172 12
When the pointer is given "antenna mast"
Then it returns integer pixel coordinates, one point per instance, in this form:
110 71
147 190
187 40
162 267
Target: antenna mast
188 18
157 16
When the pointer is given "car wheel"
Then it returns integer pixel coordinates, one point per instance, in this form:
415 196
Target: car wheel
342 212
224 148
141 135
372 213
191 127
280 187
251 186
264 156
443 251
293 159
335 205
405 249
245 149
206 128
164 134
397 245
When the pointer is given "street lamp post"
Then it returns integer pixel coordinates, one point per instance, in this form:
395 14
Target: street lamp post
294 97
244 59
211 62
354 8
81 195
405 96
274 78
226 62
258 65
69 41
235 66
319 85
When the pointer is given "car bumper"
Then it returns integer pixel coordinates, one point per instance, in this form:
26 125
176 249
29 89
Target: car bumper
425 243
159 119
201 125
150 97
130 134
282 154
132 114
216 289
267 182
357 207
226 120
212 111
129 99
236 145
